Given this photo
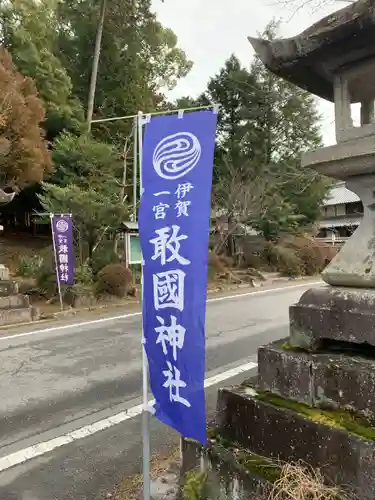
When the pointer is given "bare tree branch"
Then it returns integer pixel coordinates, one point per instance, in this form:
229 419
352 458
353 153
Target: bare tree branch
313 5
241 199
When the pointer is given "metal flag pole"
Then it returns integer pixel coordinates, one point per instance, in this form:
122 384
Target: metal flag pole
135 167
145 411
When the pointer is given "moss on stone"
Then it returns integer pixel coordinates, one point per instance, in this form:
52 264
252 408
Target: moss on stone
260 466
337 419
222 441
194 485
287 346
211 433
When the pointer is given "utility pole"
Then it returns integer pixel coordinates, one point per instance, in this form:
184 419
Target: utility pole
95 64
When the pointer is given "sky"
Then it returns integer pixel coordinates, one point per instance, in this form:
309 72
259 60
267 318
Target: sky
211 30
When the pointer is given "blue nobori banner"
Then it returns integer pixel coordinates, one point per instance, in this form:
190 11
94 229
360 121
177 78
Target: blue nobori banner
174 223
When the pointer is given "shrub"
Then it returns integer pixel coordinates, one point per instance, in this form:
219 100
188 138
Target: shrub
29 265
287 261
253 260
326 252
312 260
84 275
103 256
226 261
114 279
45 279
216 263
313 254
283 259
82 287
215 266
299 256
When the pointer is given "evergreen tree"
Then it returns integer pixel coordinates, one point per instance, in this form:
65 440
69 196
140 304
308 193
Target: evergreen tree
29 32
138 58
265 125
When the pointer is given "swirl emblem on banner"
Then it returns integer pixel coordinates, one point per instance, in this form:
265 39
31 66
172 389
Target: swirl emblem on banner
176 155
62 226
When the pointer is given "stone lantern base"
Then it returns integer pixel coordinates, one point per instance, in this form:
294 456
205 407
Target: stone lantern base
14 307
315 409
312 403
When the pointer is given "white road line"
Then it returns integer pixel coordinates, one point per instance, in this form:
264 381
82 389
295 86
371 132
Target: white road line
44 447
138 313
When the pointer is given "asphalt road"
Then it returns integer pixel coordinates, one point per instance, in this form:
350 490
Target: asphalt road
57 384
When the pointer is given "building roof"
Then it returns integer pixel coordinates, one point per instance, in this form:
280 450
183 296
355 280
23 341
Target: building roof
339 195
130 225
342 222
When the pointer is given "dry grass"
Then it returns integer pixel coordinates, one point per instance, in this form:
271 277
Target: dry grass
131 486
296 482
301 482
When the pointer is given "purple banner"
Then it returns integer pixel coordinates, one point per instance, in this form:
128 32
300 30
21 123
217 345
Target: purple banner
62 234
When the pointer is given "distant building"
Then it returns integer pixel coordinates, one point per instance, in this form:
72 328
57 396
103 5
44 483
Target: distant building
342 212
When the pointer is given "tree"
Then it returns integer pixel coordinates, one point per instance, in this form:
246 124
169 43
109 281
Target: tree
53 42
138 58
233 89
260 207
95 63
289 125
85 162
24 154
96 211
29 32
264 125
88 184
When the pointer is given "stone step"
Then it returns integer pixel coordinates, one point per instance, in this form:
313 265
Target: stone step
13 316
14 302
326 380
288 431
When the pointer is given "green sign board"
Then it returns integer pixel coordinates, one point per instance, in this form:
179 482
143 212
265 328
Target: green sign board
135 253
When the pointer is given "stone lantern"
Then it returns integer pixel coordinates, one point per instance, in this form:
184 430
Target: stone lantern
313 399
4 199
14 307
